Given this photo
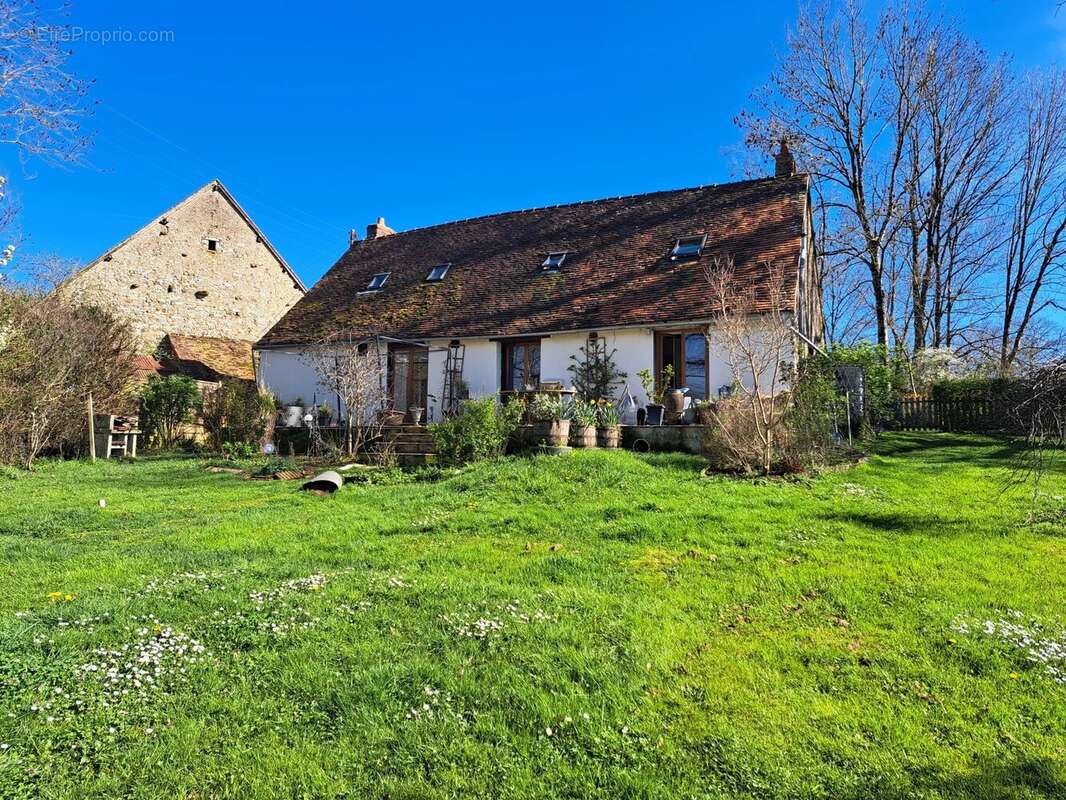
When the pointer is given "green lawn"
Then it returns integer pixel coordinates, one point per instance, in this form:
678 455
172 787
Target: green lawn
602 625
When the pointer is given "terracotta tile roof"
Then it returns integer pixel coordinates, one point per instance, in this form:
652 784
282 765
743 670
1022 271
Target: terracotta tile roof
210 359
143 363
618 271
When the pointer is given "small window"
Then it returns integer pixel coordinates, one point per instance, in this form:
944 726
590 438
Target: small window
212 245
378 281
553 261
688 247
438 273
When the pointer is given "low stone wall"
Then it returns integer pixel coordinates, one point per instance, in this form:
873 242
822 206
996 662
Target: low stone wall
677 438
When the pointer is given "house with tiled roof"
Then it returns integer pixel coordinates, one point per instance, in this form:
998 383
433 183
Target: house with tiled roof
510 297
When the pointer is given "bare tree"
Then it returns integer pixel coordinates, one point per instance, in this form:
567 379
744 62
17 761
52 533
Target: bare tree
845 96
841 279
52 355
1033 257
959 160
753 333
354 367
42 104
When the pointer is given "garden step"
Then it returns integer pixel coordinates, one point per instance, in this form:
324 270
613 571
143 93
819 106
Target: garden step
425 441
415 459
405 446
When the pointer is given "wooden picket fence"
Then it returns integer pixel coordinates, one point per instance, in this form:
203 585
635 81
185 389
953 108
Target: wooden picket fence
976 415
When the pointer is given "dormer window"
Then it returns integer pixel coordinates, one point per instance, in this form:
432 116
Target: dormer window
688 247
553 262
437 273
378 281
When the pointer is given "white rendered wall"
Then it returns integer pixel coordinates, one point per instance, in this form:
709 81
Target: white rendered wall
481 371
286 374
635 350
291 376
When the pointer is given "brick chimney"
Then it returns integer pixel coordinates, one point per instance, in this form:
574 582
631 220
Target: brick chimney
378 229
784 163
353 237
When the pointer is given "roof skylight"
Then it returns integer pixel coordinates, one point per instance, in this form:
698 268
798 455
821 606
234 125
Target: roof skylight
378 281
553 261
437 273
689 247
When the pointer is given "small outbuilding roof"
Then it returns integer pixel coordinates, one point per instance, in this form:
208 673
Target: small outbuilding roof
208 358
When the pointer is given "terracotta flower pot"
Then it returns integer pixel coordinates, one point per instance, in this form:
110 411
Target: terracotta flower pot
608 437
675 401
584 436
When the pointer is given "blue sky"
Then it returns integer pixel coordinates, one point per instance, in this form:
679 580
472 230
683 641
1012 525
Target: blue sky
420 113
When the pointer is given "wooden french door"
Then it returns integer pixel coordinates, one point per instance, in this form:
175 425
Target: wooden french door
409 377
521 365
686 352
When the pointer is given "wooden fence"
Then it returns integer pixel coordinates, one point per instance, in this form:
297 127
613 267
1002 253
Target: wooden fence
926 414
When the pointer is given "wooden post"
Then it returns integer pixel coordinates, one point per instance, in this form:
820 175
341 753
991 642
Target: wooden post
92 432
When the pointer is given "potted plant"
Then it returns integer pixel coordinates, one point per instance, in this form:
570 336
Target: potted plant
705 412
292 415
584 424
414 414
675 403
655 410
389 417
324 413
550 421
607 431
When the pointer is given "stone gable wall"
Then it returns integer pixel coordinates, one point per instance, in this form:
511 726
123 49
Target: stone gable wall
165 279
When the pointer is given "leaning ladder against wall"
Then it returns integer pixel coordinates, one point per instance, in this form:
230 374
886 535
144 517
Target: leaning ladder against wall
453 375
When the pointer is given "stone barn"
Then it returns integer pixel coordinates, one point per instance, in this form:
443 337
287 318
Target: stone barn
200 272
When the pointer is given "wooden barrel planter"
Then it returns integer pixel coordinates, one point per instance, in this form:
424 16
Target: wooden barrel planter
555 433
584 436
608 437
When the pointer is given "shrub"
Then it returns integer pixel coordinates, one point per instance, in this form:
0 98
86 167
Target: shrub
804 421
595 374
977 388
881 380
239 450
52 356
236 411
272 464
166 405
811 419
733 443
478 430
